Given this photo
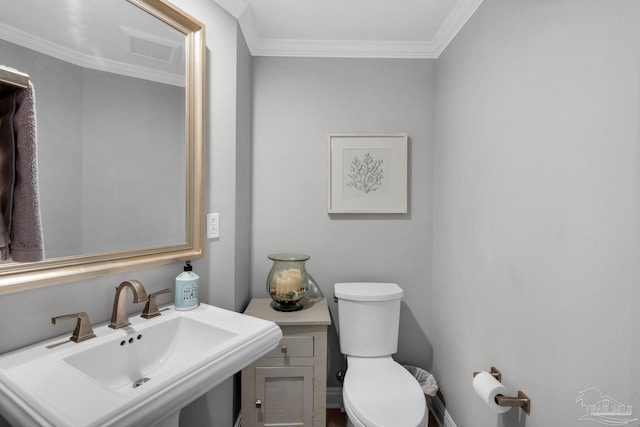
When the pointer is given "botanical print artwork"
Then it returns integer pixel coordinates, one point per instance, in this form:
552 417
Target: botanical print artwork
365 174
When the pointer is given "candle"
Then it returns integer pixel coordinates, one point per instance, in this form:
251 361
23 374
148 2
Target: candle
287 281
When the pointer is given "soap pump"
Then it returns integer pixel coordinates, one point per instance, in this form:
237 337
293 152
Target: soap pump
186 295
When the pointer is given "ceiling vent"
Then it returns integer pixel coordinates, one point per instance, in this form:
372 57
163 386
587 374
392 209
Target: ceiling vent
150 46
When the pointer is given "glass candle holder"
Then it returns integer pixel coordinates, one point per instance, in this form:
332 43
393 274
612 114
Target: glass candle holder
288 281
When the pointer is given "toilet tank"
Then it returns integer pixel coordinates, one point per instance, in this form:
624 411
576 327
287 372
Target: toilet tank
369 316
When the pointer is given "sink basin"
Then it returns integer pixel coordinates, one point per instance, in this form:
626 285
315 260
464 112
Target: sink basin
137 375
157 351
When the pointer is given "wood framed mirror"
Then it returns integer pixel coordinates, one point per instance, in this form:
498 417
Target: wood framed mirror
130 77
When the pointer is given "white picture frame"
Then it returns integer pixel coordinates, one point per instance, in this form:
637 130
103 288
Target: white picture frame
367 173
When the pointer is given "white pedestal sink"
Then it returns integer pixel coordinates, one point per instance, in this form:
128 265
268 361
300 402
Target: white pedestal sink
140 375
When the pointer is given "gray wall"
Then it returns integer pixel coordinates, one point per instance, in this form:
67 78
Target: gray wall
228 119
536 225
25 317
58 98
296 103
527 192
92 125
124 120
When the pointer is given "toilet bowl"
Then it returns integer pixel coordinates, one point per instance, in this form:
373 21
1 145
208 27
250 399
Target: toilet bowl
377 391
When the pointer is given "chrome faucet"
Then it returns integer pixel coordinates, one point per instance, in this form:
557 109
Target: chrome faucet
119 317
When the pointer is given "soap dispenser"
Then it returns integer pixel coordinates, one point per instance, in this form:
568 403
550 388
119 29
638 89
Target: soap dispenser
186 295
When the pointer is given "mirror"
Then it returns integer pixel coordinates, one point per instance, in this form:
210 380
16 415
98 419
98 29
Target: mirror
119 92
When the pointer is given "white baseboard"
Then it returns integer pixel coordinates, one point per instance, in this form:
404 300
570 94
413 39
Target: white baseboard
334 397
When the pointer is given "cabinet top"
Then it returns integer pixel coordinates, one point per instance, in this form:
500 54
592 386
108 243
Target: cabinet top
315 312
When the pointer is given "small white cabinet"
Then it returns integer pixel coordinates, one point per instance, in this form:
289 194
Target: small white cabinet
287 386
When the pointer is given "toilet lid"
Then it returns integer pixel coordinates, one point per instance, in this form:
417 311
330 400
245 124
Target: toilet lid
367 291
382 393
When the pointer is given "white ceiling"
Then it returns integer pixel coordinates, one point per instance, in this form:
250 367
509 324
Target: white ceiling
96 34
350 28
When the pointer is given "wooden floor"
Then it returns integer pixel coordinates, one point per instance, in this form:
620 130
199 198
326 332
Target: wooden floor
335 418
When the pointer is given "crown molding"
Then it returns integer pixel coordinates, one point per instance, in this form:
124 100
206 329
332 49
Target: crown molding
234 7
80 59
343 48
454 23
259 46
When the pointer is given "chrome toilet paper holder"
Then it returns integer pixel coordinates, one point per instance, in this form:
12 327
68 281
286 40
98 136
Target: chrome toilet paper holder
522 400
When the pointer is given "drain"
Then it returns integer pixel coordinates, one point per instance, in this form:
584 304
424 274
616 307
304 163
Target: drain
140 382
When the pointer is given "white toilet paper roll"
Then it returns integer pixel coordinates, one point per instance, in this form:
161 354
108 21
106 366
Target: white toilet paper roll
487 387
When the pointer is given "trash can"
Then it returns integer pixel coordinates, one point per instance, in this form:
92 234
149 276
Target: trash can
427 382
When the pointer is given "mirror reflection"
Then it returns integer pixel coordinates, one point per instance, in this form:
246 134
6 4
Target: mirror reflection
109 84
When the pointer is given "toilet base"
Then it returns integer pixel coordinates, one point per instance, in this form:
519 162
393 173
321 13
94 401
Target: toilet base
358 424
350 419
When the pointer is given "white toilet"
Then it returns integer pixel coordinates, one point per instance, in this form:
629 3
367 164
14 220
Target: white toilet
377 391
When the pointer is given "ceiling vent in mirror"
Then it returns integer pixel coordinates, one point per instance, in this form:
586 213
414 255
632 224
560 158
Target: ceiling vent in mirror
150 46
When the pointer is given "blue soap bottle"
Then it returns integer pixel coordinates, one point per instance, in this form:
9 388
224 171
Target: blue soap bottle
186 295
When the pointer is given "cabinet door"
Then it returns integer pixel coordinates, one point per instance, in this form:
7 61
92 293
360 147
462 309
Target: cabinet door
284 396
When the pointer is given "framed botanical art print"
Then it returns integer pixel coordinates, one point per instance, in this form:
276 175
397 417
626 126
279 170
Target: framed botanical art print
367 173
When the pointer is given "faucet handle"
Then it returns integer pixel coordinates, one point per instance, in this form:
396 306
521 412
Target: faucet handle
83 330
151 309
